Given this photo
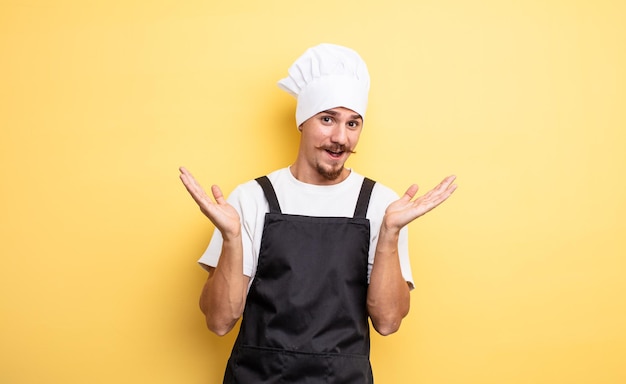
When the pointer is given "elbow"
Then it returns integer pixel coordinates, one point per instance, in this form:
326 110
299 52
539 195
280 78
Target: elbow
386 327
219 330
219 327
388 321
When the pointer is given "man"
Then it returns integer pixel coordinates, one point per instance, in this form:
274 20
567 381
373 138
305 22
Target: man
308 253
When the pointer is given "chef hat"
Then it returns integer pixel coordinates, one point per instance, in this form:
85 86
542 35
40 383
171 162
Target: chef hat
327 76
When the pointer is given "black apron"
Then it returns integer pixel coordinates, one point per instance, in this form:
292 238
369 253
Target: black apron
305 319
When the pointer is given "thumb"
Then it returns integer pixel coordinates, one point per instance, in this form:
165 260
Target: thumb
217 194
410 193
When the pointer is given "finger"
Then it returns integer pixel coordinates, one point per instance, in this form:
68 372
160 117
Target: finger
192 186
196 186
199 197
410 192
186 173
443 188
217 194
442 185
440 196
449 187
447 181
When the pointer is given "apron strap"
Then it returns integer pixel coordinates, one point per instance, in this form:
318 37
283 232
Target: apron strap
361 205
270 194
364 198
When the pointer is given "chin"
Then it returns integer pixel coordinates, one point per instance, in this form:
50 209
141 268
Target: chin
330 174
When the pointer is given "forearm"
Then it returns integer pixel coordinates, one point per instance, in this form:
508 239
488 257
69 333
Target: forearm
224 293
388 296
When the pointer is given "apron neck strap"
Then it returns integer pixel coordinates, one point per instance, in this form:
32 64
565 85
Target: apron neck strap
361 205
270 194
364 198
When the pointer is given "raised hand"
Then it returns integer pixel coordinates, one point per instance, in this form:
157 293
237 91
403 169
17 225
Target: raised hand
401 212
222 215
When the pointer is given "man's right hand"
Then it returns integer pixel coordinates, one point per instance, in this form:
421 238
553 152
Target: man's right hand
222 215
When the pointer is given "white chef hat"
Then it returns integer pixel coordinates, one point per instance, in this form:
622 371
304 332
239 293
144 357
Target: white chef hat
327 76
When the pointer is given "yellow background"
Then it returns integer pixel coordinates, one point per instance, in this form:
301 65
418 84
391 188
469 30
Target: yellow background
520 277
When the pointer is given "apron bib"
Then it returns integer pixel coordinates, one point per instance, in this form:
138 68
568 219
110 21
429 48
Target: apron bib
305 319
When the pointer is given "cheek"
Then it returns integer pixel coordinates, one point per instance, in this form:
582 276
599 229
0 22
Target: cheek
322 135
313 138
354 138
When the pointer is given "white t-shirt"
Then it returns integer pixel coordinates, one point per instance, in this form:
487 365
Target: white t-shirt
298 198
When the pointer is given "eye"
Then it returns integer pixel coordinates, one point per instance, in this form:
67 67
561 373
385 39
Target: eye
326 119
353 124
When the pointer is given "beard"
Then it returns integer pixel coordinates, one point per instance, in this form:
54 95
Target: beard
328 172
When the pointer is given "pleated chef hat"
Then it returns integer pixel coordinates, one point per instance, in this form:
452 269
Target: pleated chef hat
327 76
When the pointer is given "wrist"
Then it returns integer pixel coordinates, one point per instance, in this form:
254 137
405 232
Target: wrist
387 240
389 229
232 236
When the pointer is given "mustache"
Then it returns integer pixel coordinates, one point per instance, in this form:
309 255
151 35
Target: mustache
336 148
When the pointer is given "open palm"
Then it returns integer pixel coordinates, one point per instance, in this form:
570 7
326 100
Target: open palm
222 215
401 212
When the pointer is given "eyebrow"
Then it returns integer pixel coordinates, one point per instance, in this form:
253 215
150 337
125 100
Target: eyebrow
334 113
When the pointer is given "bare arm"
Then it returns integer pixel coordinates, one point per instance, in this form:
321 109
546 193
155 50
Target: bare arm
388 294
224 294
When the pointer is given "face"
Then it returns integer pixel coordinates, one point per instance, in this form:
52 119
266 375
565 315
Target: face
328 139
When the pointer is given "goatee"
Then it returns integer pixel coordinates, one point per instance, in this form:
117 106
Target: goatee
331 174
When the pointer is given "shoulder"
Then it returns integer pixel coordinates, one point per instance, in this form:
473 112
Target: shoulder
380 192
245 191
251 187
249 195
380 199
383 192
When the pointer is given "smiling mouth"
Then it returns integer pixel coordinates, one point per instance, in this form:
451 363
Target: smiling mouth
336 151
335 154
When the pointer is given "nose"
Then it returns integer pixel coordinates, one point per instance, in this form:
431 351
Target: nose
339 134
